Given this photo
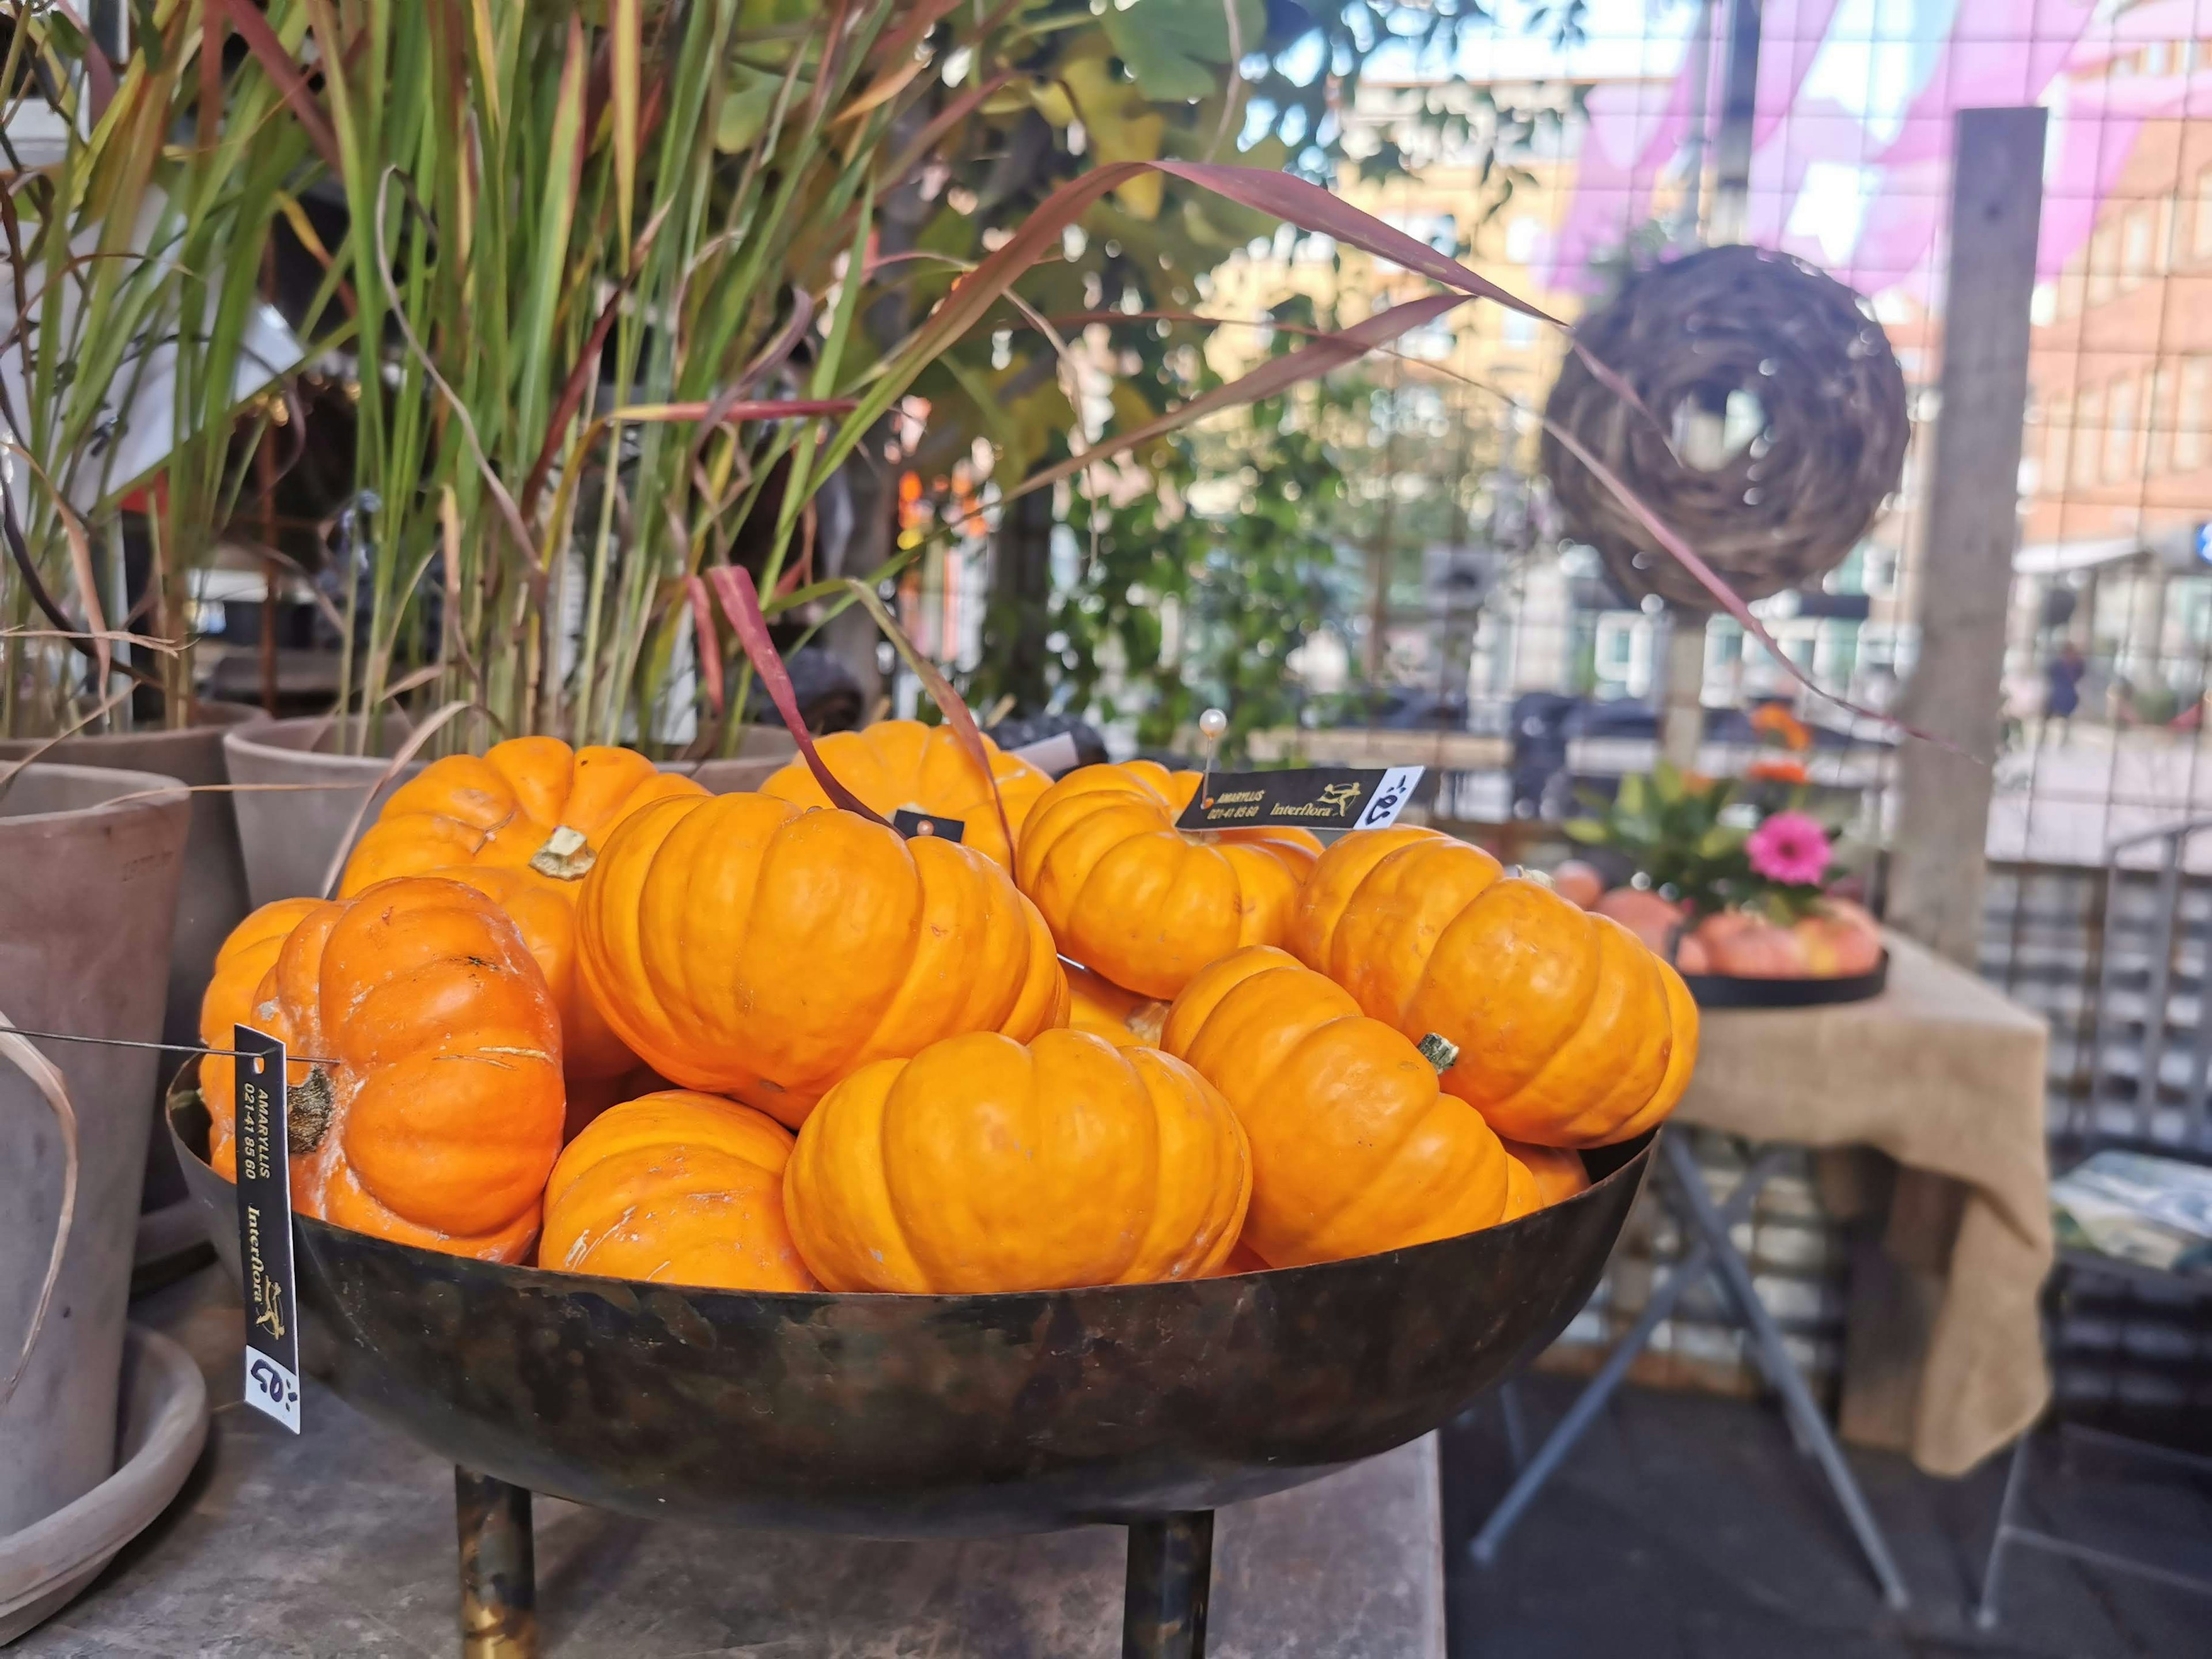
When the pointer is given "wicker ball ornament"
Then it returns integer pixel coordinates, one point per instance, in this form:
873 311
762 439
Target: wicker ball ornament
1781 511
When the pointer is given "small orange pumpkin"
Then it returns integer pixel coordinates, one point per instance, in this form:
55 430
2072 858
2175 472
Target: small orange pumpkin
231 999
1145 903
744 946
1579 883
676 1188
982 1165
522 825
1540 1176
1097 1004
1744 946
1650 916
438 1116
1569 1031
903 764
1354 1149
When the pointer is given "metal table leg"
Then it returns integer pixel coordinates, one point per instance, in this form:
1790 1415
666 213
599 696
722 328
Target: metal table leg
499 1572
1693 1265
1170 1576
1780 1370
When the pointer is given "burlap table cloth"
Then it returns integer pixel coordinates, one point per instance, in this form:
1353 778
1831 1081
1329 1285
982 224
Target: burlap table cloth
1946 1075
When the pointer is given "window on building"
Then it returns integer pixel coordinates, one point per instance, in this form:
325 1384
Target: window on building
2104 262
2158 421
2139 228
2120 428
2193 409
2088 423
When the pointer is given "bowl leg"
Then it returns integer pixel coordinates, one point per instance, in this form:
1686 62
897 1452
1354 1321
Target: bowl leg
1170 1576
498 1571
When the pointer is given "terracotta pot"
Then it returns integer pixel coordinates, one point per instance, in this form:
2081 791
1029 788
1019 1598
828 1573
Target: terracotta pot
88 891
290 835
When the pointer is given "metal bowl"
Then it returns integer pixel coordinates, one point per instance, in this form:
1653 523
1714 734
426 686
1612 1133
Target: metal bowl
924 1416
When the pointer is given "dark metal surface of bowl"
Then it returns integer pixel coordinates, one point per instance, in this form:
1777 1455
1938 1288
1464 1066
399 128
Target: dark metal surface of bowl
915 1416
1735 991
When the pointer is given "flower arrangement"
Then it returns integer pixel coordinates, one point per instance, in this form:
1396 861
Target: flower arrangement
1719 880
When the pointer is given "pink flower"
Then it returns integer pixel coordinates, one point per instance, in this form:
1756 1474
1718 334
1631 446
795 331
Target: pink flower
1789 847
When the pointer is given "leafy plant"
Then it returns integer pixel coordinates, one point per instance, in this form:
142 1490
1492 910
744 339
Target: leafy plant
1197 577
135 238
1704 842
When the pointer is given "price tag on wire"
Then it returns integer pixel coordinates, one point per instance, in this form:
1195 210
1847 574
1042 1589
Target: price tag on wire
264 1230
1308 797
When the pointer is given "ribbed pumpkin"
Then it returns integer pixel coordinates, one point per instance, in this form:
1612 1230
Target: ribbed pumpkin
679 1188
523 825
1128 894
747 947
981 1164
232 1000
440 1116
896 764
1537 1177
1569 1031
1354 1148
1097 1004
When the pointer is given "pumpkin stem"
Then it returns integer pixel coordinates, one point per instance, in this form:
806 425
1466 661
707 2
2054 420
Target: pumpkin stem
1440 1052
566 855
307 1111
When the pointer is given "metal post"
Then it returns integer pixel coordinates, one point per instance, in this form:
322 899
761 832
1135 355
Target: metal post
1170 1576
1739 110
499 1572
1973 529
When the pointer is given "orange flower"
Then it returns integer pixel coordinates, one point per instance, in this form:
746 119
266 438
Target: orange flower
1773 720
1775 771
1695 783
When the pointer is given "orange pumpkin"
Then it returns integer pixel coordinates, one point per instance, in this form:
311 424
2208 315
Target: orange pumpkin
1653 918
1578 883
1146 904
1745 946
679 1188
440 1114
746 947
1354 1149
1097 1004
903 764
1569 1032
1838 939
1241 1260
981 1164
232 1000
522 825
1539 1176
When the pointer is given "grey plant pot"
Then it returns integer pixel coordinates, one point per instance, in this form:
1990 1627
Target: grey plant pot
212 897
164 1425
290 835
87 892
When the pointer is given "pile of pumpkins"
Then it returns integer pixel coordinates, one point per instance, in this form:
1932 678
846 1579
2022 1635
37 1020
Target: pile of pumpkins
1836 939
571 1009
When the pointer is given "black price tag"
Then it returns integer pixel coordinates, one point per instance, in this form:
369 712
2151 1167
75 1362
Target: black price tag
1310 798
911 824
265 1231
